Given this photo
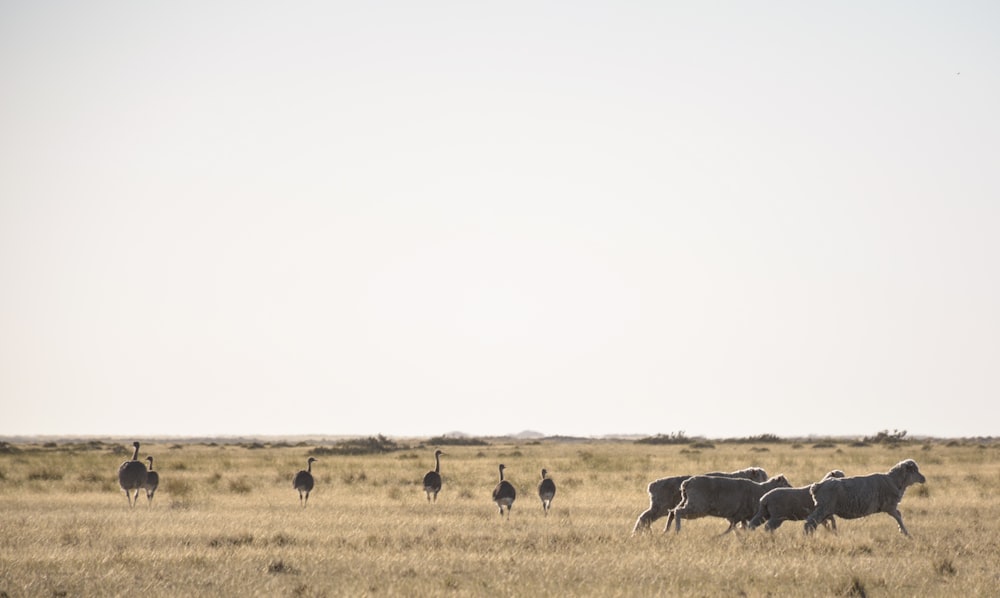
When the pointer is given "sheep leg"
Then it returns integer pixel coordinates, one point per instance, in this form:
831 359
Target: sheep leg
899 519
830 525
670 519
818 514
677 514
639 525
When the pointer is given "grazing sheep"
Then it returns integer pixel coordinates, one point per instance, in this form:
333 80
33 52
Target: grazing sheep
665 494
734 499
789 504
854 497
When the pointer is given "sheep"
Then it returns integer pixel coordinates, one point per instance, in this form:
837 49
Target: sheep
789 504
855 497
734 499
665 494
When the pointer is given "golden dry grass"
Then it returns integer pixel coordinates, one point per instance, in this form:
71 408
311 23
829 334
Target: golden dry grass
226 521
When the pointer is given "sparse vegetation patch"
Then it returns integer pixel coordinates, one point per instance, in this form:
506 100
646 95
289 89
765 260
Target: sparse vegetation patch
678 437
372 445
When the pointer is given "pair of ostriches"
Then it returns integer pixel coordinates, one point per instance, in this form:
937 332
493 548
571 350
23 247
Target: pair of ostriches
133 476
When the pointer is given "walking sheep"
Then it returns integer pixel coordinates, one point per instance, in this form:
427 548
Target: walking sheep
665 494
132 476
789 504
152 481
855 497
546 491
733 499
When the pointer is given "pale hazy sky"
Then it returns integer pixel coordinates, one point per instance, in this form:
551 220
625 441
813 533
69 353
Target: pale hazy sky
411 218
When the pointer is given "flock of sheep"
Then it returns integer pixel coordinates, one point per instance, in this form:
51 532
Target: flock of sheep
745 497
750 498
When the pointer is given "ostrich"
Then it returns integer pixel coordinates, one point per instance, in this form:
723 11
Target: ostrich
132 476
303 481
152 481
504 493
432 480
546 490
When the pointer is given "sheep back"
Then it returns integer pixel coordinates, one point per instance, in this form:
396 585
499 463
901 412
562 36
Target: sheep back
733 499
786 504
859 496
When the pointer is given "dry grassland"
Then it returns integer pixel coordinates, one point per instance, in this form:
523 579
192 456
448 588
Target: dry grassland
226 522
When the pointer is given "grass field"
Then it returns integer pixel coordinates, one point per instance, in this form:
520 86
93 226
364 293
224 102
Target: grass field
226 522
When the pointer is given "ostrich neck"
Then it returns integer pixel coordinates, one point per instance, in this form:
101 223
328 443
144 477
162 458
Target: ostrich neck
437 463
135 453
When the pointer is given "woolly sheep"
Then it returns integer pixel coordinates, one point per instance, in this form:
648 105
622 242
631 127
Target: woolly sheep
665 494
789 504
731 498
855 497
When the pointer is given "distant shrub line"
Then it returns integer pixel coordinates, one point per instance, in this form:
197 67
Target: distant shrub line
457 441
373 445
700 442
884 437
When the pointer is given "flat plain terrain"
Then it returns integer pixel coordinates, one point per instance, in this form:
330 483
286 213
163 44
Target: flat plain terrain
226 522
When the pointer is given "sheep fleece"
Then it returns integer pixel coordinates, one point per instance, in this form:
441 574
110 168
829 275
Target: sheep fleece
854 497
733 499
665 494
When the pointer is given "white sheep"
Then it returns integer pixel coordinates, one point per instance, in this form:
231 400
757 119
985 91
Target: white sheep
665 494
854 497
733 499
789 504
